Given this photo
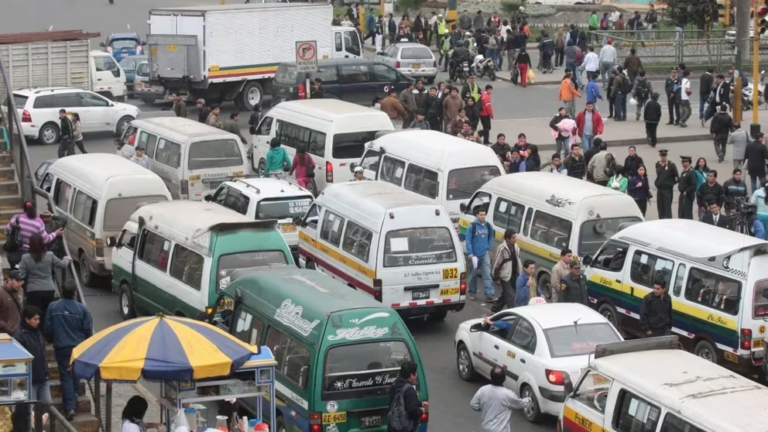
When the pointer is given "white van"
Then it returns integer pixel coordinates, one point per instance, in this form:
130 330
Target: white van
648 385
551 212
192 158
267 199
176 257
717 279
441 167
333 132
97 192
395 245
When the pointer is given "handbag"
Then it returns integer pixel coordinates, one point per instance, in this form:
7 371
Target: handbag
13 239
311 172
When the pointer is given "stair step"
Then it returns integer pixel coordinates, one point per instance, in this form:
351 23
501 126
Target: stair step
56 387
9 188
11 202
7 173
83 404
6 159
83 422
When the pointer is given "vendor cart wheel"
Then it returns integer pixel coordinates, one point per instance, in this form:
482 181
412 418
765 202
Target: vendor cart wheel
127 304
281 424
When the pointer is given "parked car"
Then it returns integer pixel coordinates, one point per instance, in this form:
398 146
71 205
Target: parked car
39 112
411 59
129 65
122 45
730 37
353 80
543 344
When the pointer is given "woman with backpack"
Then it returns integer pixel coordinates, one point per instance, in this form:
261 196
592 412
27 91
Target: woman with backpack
277 163
19 230
304 167
641 91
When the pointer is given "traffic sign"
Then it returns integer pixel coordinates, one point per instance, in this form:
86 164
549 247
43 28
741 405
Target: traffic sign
306 56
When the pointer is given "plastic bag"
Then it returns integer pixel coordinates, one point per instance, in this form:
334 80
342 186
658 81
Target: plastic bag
180 423
531 76
632 101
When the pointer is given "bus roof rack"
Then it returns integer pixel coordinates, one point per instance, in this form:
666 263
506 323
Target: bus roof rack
637 345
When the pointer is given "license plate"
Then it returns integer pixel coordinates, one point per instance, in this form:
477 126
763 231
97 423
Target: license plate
337 417
449 292
416 65
450 273
172 47
288 228
420 295
370 422
758 343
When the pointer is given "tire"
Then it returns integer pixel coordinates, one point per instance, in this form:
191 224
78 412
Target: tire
464 358
251 96
438 316
49 134
532 413
122 125
492 75
312 187
706 350
546 285
126 302
310 265
430 80
609 313
281 425
86 275
262 167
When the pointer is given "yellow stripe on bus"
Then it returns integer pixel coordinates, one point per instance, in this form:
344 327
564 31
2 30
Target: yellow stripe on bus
330 252
677 306
578 420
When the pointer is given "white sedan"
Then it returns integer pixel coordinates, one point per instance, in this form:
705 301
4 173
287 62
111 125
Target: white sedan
537 345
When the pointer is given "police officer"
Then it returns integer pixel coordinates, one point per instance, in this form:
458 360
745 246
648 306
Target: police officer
656 311
666 177
574 285
687 188
359 174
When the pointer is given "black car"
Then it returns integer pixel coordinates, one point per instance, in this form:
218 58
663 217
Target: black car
353 80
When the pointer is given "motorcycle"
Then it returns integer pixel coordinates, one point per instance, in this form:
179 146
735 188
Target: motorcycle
483 66
462 72
746 93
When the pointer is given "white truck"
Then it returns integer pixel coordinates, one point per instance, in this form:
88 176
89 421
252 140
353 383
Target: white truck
232 52
60 59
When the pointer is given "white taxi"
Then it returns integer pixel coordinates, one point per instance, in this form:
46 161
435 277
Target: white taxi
537 345
264 199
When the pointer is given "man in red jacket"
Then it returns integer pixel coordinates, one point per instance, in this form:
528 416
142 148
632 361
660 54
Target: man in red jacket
589 124
486 113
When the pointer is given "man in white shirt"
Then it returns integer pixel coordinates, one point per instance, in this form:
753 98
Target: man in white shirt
607 60
613 17
685 99
494 401
591 63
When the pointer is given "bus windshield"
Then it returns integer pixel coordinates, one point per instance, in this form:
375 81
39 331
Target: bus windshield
419 246
363 369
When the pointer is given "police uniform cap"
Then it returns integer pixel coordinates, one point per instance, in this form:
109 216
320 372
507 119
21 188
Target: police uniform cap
575 264
686 158
663 152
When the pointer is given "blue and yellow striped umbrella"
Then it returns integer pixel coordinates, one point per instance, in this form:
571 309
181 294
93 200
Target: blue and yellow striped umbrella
160 348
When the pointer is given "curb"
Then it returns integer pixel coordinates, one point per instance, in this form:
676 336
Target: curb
642 141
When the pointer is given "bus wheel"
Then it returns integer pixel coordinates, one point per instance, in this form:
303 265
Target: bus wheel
706 350
127 304
281 424
310 265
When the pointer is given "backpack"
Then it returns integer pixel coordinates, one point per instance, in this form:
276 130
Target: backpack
579 58
642 90
13 239
604 24
626 86
610 165
397 418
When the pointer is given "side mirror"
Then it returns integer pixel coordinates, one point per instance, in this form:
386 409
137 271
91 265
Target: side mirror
111 241
567 384
143 43
297 221
463 207
587 260
476 327
208 198
102 44
352 167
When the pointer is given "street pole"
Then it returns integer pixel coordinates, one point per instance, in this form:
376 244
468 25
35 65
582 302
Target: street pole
754 128
450 15
742 46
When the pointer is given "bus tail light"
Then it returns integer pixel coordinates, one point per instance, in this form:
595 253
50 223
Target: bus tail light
555 377
185 187
377 289
463 284
99 247
302 92
328 172
315 422
746 339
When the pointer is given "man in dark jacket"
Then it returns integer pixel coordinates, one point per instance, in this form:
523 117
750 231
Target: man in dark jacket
232 127
666 177
405 383
721 126
673 104
575 163
589 154
734 188
179 106
652 117
715 217
687 188
10 303
721 94
67 137
706 83
67 323
756 156
28 334
709 190
656 311
202 111
574 286
631 162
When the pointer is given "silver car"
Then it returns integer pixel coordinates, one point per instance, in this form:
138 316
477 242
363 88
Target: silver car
411 59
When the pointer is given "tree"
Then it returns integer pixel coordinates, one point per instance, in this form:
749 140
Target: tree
409 5
699 13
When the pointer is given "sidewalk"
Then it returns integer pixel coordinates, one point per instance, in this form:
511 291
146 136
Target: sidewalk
626 133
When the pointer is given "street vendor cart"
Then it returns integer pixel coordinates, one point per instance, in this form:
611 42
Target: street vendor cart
15 380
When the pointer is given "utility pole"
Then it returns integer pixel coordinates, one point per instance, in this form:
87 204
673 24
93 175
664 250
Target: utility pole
742 47
758 25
